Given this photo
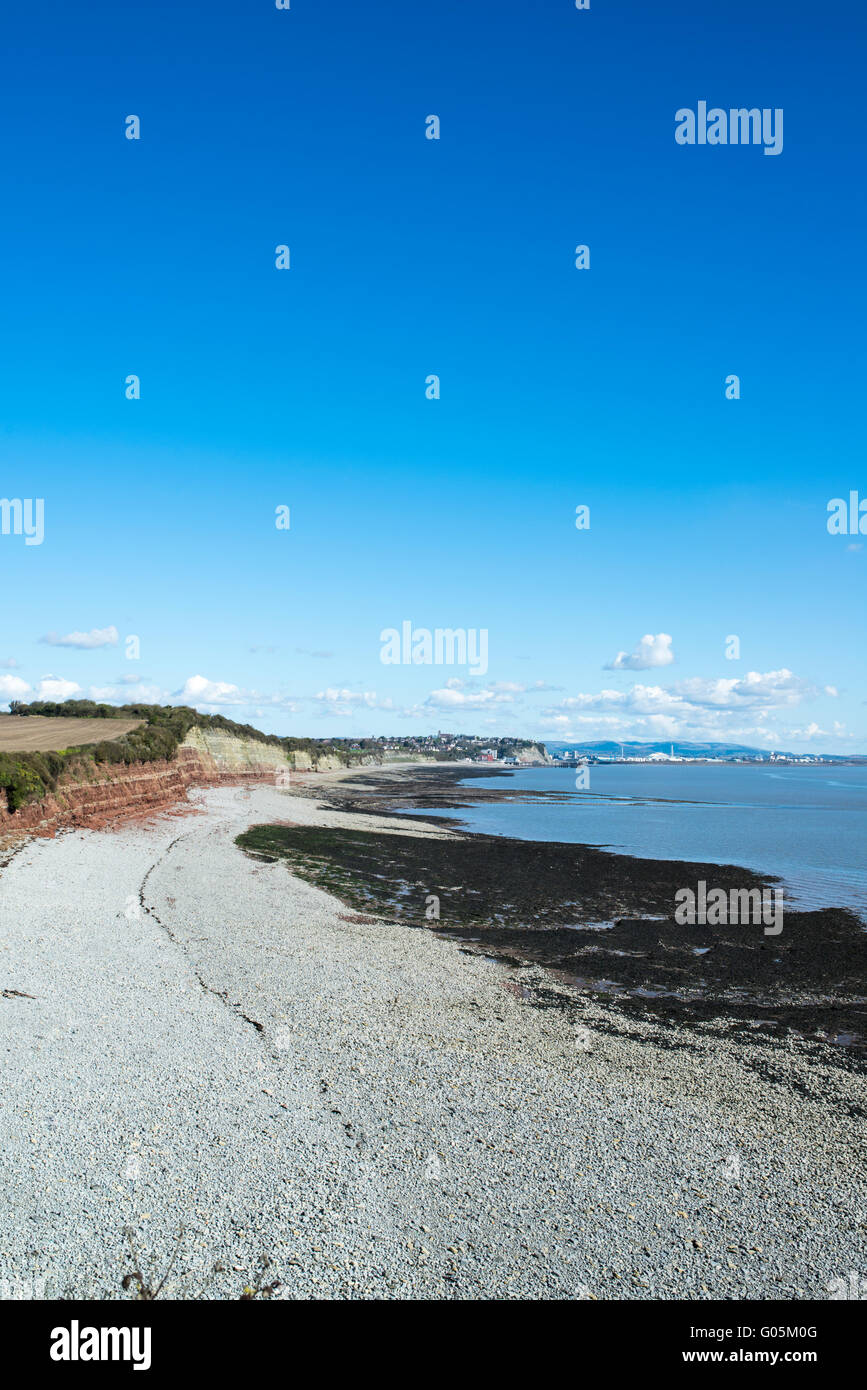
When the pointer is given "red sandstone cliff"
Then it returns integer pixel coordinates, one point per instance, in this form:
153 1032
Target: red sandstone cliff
117 792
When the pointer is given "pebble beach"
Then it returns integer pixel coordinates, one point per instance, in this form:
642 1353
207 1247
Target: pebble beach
216 1074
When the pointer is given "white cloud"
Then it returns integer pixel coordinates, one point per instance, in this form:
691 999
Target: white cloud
504 687
344 702
56 688
199 690
813 731
49 688
640 699
10 664
773 688
650 651
208 695
609 723
12 687
451 698
139 694
97 637
697 709
348 697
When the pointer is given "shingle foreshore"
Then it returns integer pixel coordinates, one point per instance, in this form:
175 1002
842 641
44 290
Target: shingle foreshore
201 1048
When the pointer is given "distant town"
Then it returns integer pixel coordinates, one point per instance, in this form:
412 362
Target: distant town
445 747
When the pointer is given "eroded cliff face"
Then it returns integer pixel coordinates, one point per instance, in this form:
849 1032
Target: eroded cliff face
531 757
226 753
114 792
303 762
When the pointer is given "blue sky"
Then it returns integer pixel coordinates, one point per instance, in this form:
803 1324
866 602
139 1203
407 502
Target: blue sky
455 257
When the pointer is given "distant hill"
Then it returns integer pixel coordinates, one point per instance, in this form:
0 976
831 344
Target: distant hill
610 748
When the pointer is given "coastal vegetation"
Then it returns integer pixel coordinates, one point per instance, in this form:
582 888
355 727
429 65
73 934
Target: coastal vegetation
146 733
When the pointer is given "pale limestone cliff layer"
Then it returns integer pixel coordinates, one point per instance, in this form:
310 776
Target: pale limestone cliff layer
231 754
303 762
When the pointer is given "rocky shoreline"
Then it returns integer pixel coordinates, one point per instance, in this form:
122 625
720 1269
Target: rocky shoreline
602 922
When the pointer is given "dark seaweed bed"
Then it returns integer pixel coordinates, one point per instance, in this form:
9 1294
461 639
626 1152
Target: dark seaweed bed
535 902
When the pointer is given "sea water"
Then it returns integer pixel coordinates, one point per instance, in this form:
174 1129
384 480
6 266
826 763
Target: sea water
806 825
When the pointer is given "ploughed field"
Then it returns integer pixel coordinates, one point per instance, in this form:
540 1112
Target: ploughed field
36 733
